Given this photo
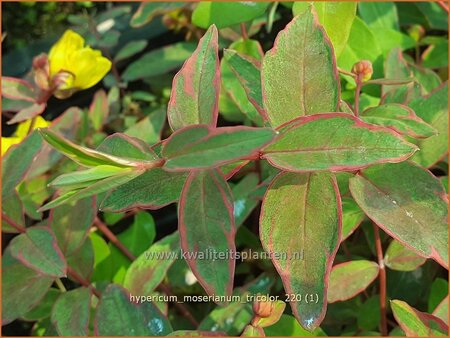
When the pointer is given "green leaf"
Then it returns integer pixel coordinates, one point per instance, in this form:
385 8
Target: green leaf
289 327
248 74
335 17
395 67
71 224
389 39
37 248
102 267
415 214
44 308
244 201
434 14
379 14
83 178
158 61
226 14
206 224
12 208
438 292
400 118
152 190
28 113
84 156
82 261
196 87
361 45
428 79
116 315
131 48
17 89
304 47
335 142
253 331
302 237
71 312
93 189
350 278
149 129
147 11
150 268
368 317
17 162
400 258
433 109
416 323
22 289
99 110
352 216
121 145
199 147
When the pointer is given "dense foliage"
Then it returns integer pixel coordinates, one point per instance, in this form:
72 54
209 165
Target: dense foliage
226 168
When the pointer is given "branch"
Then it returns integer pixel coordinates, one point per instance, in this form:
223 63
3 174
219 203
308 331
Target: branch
72 273
382 278
15 225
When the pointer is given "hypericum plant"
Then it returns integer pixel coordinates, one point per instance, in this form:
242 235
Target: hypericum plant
321 156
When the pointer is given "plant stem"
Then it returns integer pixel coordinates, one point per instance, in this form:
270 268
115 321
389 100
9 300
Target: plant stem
73 274
15 225
30 128
60 285
382 278
443 5
343 71
244 31
357 93
113 239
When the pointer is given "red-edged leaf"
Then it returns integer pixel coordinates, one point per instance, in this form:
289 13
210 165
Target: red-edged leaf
414 213
441 310
71 312
196 87
300 226
37 248
335 142
206 224
28 113
299 73
203 147
415 323
17 89
350 278
400 258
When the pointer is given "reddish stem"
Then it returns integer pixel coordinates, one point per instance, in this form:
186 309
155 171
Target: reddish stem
244 31
382 278
73 274
443 5
15 225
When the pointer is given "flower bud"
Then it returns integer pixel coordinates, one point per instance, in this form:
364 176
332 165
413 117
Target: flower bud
41 70
363 69
262 309
417 32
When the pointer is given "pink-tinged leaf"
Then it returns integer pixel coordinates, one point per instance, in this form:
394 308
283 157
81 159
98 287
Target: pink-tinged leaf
71 312
415 323
400 118
37 249
299 74
17 89
441 310
300 226
206 225
28 113
12 207
71 223
118 314
433 109
150 268
99 110
196 87
203 147
22 288
82 261
253 331
414 214
400 258
350 278
336 142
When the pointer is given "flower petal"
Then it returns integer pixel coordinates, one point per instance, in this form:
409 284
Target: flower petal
59 55
89 67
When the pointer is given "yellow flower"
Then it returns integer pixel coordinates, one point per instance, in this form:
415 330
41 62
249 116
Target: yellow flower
21 132
77 66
